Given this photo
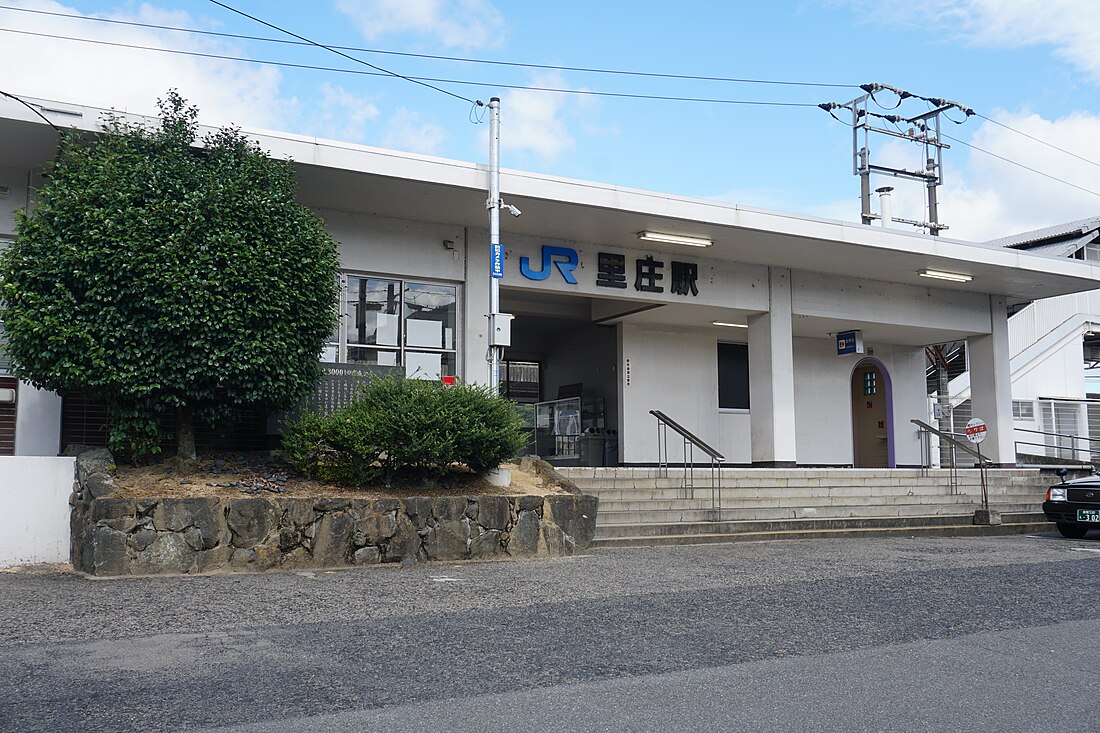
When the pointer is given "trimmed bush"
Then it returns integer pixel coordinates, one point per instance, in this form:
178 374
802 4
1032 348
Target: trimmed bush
399 426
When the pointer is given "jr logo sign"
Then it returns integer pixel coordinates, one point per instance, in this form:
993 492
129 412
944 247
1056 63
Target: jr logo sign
564 258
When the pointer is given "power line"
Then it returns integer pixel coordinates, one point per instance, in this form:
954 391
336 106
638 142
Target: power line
341 53
31 107
418 79
1041 142
436 57
1020 165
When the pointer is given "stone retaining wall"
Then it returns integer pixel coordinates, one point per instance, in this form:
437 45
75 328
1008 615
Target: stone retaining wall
116 536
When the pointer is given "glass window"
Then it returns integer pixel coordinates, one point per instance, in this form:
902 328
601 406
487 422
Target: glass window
430 312
733 376
394 323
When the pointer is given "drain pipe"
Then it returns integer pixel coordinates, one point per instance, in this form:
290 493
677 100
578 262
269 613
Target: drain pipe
884 206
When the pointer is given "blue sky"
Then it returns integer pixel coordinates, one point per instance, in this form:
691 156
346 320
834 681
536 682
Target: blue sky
1034 66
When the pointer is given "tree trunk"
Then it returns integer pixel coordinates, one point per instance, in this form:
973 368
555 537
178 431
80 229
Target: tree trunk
185 434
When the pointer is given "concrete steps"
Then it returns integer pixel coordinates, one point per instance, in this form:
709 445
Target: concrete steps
646 506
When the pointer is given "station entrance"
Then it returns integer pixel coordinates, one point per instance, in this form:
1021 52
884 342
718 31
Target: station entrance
562 367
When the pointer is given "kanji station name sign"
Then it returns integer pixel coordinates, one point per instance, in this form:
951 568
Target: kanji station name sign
647 274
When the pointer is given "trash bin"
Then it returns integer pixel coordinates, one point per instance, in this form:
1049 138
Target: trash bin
592 447
610 448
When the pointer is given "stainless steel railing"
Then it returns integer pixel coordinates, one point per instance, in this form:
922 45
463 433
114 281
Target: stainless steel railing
691 442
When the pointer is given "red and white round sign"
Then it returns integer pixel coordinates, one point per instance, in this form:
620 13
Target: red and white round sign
975 430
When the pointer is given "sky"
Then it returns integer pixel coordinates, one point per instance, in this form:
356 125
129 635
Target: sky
1029 65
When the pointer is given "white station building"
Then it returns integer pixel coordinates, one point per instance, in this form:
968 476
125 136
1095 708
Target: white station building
780 340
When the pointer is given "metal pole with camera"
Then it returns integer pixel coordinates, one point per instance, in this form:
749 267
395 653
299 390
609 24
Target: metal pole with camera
500 324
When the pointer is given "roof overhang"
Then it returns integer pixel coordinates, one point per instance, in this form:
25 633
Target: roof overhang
360 179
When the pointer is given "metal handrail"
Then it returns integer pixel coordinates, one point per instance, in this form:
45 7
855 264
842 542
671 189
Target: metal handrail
691 441
950 437
1057 435
688 435
1071 448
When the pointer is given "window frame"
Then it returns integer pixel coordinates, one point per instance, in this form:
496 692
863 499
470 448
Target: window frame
344 329
718 369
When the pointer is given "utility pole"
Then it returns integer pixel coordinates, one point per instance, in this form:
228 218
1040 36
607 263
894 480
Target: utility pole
500 324
495 247
922 129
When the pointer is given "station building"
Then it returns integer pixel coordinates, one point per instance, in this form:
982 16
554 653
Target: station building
780 340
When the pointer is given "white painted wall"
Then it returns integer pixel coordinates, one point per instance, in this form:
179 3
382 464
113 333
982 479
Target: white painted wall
37 422
1058 372
822 385
34 509
676 371
15 181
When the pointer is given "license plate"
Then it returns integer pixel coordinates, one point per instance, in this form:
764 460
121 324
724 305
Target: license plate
1088 515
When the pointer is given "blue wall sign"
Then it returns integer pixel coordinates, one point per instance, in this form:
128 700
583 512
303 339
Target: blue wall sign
564 258
849 342
497 260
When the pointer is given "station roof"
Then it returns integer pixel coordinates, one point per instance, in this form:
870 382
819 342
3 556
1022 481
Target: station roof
361 179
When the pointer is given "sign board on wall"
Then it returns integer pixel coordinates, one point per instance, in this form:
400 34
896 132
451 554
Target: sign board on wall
849 342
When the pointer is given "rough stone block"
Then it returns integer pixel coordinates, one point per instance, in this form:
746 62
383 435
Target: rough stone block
487 544
203 514
96 460
104 510
447 540
109 552
419 509
448 508
367 556
215 559
99 485
524 537
298 512
494 512
529 503
141 539
331 504
332 542
553 542
250 521
168 553
405 542
375 528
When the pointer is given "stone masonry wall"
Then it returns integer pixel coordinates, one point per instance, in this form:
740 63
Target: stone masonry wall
116 536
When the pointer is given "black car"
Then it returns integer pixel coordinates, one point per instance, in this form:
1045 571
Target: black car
1074 505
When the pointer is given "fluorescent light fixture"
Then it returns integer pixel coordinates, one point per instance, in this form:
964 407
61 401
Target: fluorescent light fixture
955 277
674 239
729 325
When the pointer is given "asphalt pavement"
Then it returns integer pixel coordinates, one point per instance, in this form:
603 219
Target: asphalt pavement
930 634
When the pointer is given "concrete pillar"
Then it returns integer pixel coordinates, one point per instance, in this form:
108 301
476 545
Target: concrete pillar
771 377
991 385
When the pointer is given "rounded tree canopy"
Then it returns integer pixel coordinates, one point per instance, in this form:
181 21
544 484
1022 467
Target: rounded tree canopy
155 273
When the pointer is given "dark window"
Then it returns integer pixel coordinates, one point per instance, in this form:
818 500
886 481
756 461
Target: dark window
733 376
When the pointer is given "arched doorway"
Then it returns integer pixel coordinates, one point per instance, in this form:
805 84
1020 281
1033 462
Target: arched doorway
872 416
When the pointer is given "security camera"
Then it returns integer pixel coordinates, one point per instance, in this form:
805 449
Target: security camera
512 210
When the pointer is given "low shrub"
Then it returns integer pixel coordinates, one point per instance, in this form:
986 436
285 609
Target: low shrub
396 425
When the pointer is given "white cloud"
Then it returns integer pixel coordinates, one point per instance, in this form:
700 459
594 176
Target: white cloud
534 122
1072 27
456 23
130 79
343 115
407 130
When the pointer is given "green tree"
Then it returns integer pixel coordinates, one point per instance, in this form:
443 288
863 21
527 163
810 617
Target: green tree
156 273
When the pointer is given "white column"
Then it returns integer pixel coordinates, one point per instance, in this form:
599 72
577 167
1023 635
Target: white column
771 376
991 384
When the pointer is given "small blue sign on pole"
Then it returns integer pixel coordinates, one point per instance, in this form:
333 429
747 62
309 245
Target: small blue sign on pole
849 342
497 259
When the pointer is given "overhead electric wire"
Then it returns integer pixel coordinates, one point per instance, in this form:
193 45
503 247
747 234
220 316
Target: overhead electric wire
1020 165
1038 140
436 57
418 79
341 53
